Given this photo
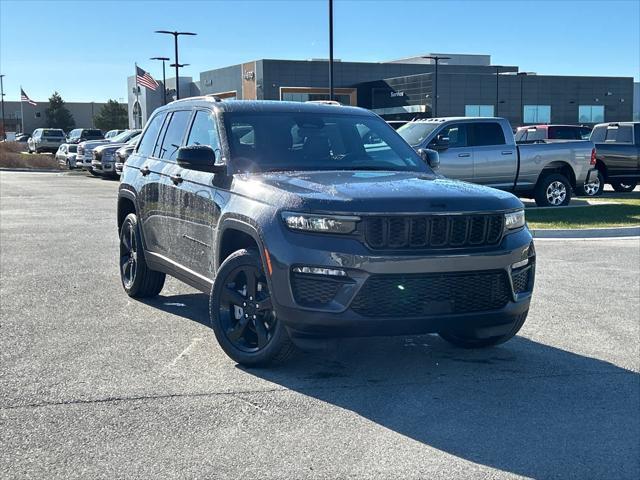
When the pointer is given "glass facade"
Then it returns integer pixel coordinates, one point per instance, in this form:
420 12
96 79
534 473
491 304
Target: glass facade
537 114
305 97
478 111
591 113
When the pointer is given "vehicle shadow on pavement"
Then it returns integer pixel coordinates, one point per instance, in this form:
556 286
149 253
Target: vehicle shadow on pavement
524 407
193 306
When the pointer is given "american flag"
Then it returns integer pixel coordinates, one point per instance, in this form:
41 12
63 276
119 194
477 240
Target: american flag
25 98
145 79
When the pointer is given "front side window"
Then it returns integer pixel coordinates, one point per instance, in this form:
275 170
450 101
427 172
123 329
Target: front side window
203 131
175 133
273 141
457 135
148 141
478 110
486 133
537 113
591 113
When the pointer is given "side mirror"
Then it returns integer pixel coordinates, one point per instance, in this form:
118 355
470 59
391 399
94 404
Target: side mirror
430 157
199 157
440 143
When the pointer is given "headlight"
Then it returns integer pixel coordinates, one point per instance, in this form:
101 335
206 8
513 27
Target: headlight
320 223
513 220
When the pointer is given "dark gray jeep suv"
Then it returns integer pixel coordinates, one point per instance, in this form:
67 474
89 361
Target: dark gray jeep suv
309 221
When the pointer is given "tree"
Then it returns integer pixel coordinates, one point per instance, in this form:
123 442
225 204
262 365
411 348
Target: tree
58 116
112 116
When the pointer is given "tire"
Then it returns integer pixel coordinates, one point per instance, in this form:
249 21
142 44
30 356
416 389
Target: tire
468 339
257 339
624 186
138 280
553 190
593 189
93 172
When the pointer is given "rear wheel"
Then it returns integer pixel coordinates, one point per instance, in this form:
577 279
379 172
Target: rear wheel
467 338
553 190
138 280
593 189
625 186
242 315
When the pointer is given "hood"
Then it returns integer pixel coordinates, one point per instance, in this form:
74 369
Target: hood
371 192
109 146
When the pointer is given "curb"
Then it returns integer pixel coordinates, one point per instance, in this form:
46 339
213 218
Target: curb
33 170
587 232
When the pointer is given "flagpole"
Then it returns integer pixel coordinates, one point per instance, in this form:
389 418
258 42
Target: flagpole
135 117
21 109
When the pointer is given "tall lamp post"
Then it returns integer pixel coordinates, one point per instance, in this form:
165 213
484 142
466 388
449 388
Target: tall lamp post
177 64
180 65
330 49
4 134
522 75
164 78
498 67
436 59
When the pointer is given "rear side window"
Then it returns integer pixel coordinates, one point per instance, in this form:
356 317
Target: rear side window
203 131
486 133
148 141
175 133
621 134
585 132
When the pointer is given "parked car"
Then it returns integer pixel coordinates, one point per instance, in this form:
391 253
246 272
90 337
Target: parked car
617 156
112 133
121 156
66 155
78 135
543 133
298 229
483 150
45 140
104 157
85 149
23 137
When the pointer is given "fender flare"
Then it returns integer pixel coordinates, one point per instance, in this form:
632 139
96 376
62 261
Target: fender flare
243 225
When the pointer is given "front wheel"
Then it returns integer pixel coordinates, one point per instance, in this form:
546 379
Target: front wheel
242 314
553 190
468 339
625 186
595 188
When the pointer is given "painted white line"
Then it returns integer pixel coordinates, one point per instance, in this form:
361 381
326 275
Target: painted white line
173 363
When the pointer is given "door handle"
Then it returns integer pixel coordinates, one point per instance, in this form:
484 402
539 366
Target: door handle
176 179
462 155
507 152
145 170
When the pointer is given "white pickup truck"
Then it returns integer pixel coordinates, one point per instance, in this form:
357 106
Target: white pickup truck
484 151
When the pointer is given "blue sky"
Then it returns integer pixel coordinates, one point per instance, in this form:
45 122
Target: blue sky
85 49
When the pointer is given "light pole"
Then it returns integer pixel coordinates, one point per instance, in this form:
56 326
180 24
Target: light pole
177 64
330 49
436 59
4 134
164 78
498 67
521 75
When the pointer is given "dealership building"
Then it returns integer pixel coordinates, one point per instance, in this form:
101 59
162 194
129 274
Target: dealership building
34 115
465 85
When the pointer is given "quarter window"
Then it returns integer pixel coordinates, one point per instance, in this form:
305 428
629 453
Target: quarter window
148 141
174 134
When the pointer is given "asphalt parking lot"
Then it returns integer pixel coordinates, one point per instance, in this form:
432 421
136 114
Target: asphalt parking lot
94 384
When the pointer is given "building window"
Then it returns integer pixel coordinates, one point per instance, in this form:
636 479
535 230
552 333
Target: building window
591 113
537 114
478 110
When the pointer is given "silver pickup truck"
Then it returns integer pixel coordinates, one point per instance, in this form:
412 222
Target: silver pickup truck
484 151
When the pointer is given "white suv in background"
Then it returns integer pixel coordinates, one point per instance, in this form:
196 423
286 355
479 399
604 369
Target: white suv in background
46 139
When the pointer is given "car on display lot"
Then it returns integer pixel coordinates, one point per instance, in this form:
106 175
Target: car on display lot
617 157
78 135
121 157
85 149
104 158
544 133
300 229
66 155
45 140
112 133
22 137
483 150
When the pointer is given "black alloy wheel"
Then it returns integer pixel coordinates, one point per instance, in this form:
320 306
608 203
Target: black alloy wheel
128 255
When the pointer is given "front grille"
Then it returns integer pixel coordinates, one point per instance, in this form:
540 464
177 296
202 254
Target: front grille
312 290
422 295
521 280
433 231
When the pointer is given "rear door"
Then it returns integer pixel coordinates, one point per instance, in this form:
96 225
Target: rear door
494 160
457 160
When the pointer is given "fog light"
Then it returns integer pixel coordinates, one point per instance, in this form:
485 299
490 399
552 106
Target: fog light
521 263
334 272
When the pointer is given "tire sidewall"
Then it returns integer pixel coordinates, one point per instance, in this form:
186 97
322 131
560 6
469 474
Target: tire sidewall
541 190
265 356
135 286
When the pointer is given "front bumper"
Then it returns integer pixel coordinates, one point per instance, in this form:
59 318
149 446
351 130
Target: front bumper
342 314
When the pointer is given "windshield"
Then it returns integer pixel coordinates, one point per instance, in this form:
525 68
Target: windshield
415 133
124 136
273 141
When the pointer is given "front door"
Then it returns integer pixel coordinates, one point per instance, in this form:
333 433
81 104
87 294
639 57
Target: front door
456 161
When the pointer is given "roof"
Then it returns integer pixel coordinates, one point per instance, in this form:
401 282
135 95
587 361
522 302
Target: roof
449 119
267 106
